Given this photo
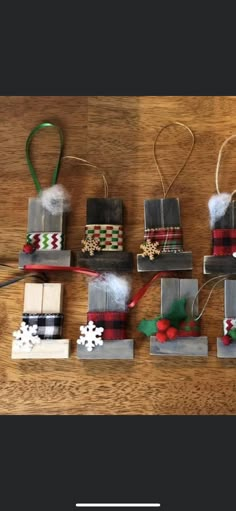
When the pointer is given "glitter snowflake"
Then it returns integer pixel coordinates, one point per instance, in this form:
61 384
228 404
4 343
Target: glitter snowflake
26 337
91 245
91 336
150 249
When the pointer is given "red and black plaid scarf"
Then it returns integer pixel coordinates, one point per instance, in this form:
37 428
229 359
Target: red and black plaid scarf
224 241
114 324
170 239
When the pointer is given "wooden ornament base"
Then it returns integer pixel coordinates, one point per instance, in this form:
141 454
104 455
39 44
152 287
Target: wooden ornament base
111 350
47 257
219 264
47 349
182 346
106 261
166 262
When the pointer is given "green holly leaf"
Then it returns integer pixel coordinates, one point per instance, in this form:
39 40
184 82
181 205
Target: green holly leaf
177 312
232 333
148 326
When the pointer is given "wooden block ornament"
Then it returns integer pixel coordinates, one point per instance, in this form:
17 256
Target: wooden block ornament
162 248
226 344
222 213
40 333
176 331
45 239
104 335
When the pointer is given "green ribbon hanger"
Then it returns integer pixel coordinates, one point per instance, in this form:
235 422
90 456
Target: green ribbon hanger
27 152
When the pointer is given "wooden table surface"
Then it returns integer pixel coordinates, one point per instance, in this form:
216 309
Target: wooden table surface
115 133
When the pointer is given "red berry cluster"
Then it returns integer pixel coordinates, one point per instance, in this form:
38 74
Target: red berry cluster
165 332
29 248
226 339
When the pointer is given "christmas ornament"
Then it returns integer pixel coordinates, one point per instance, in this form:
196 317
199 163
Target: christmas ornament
40 333
102 248
222 221
163 236
107 316
46 215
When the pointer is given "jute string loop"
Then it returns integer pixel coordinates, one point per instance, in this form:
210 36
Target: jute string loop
219 162
87 163
219 278
165 192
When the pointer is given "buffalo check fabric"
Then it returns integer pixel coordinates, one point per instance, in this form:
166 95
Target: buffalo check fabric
49 325
170 239
224 241
228 324
110 236
114 324
46 240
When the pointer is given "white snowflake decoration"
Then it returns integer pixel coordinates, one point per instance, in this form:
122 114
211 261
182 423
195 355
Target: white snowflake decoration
26 337
91 336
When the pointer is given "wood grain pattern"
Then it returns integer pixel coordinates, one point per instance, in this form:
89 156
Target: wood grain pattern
105 211
111 350
180 261
117 134
161 213
219 265
182 346
230 298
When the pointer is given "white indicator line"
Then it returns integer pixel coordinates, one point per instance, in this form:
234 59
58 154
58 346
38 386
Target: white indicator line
118 505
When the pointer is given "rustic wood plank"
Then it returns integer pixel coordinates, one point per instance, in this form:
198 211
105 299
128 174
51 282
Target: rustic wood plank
52 298
225 351
152 214
105 211
106 261
188 290
35 215
172 262
161 213
33 298
111 350
59 348
170 291
230 298
171 212
40 220
96 297
219 264
50 257
182 346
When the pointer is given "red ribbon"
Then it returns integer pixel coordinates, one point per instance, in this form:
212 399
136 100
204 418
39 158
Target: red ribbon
143 289
75 269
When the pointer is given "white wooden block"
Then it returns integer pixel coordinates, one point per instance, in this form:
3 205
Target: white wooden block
33 298
52 298
59 348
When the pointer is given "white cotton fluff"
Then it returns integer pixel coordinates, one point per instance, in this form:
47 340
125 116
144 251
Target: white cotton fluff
56 199
118 288
218 205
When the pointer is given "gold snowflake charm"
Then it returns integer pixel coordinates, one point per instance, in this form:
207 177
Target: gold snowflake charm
91 245
150 249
